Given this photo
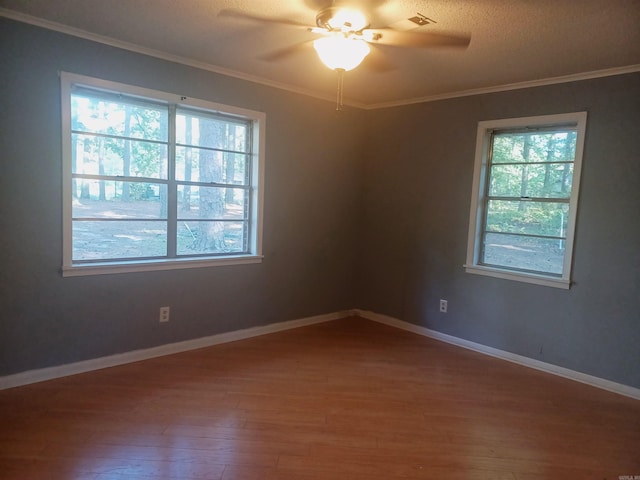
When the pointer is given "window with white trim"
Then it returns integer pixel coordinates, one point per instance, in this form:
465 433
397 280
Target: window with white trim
525 197
157 181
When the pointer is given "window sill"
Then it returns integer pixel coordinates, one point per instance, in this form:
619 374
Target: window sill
519 276
156 265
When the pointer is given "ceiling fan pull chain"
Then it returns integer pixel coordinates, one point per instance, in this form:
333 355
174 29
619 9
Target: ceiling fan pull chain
340 88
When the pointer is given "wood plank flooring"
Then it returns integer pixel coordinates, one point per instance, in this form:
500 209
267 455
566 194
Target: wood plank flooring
344 400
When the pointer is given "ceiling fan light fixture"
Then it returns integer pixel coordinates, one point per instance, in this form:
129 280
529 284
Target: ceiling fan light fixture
341 53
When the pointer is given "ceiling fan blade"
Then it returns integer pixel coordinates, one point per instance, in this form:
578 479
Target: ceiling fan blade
316 5
377 61
231 13
389 36
282 53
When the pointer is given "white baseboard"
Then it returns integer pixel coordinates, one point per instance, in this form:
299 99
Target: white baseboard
510 357
50 373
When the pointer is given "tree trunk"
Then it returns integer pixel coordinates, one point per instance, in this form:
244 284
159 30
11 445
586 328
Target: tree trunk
566 171
103 193
85 193
126 154
231 166
211 205
524 179
164 200
547 168
188 159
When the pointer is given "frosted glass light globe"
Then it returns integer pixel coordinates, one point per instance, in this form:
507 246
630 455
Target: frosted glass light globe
340 52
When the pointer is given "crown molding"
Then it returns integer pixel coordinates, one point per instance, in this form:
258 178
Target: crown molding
132 47
609 72
103 39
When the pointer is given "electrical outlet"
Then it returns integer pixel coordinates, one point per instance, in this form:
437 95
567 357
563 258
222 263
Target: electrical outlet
443 306
164 314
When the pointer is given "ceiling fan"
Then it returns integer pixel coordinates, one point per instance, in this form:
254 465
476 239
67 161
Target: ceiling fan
346 37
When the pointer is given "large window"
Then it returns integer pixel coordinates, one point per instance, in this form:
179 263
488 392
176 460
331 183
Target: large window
157 181
525 198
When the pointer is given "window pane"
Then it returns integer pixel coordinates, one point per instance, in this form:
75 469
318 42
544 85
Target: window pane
198 165
130 195
551 180
198 130
211 203
110 199
105 114
211 237
516 147
114 156
525 253
533 218
103 240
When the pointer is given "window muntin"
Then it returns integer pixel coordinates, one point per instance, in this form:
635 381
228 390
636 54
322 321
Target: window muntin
153 179
525 198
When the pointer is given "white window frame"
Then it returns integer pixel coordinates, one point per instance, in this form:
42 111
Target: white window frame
479 192
258 119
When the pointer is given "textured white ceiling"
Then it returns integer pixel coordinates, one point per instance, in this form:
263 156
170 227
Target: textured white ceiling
512 41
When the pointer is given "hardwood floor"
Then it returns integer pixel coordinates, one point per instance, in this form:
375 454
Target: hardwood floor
344 400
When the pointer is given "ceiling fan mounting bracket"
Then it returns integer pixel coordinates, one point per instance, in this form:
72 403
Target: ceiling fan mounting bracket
326 15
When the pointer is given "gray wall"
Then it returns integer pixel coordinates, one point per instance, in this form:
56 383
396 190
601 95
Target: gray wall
417 193
309 243
366 210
